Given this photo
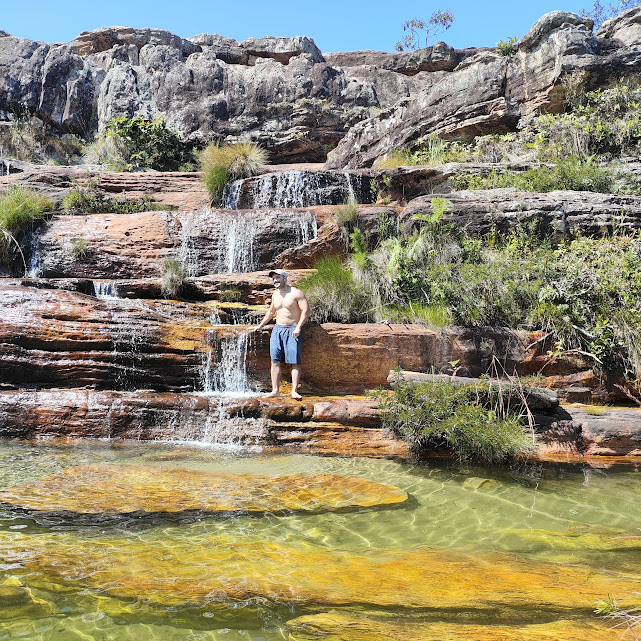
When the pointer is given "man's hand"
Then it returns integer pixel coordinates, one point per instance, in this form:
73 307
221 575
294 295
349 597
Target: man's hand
296 332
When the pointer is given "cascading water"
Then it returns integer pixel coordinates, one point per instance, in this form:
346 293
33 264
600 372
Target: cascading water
35 261
294 190
105 289
224 368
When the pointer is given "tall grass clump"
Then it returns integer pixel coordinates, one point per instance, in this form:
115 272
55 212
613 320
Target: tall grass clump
172 277
334 294
20 208
221 164
434 150
471 420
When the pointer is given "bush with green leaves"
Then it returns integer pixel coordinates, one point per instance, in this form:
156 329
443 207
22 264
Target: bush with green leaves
79 248
507 48
472 420
20 209
221 164
149 144
172 277
89 200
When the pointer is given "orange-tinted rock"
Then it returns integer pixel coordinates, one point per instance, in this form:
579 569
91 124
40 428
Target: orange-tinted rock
134 245
179 190
120 489
145 415
219 568
342 626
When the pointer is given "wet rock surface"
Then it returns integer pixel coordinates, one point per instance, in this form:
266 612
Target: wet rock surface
242 570
121 489
339 626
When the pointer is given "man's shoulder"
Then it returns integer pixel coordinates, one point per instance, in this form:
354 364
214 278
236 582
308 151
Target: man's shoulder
299 293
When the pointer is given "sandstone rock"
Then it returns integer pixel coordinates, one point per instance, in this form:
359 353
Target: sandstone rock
176 190
145 415
558 212
577 540
129 246
475 94
184 574
122 489
331 241
625 27
347 626
106 38
439 57
614 433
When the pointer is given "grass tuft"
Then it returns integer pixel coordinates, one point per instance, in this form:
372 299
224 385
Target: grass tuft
172 277
229 162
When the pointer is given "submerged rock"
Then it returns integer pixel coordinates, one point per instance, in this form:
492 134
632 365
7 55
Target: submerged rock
339 626
121 489
218 569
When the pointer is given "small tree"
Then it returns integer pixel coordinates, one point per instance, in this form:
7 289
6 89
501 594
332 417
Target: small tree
600 13
438 22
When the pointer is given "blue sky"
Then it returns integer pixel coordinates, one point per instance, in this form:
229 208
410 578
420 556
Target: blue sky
333 24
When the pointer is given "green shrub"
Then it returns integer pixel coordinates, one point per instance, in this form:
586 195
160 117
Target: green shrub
88 200
507 48
334 294
20 208
471 420
571 174
172 277
79 248
150 144
229 162
434 150
231 295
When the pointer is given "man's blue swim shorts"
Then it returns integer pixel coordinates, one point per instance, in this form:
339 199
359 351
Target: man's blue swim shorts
283 347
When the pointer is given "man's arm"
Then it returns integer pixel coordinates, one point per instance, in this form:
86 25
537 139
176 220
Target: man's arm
304 315
269 314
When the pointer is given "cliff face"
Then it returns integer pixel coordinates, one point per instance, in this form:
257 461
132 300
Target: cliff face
298 102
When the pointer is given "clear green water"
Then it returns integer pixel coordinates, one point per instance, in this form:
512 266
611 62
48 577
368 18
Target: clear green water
450 506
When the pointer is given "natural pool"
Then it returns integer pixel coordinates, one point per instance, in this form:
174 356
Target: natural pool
473 553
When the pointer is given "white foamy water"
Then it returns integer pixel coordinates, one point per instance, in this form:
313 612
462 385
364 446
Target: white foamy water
105 289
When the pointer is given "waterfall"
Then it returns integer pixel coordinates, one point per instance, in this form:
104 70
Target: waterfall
105 289
191 227
35 260
238 252
295 190
224 367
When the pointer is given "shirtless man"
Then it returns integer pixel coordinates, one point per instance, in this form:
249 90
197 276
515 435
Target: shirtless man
291 310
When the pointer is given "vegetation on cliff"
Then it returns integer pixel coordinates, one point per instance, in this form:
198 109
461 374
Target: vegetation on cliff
221 164
475 421
19 209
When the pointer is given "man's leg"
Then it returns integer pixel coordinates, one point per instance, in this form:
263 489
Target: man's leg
276 375
296 370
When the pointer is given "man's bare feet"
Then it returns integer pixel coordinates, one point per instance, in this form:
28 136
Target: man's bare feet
296 396
272 395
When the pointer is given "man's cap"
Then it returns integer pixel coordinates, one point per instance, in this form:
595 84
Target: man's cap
281 272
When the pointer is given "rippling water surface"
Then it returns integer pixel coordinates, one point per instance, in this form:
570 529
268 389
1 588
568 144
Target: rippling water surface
548 515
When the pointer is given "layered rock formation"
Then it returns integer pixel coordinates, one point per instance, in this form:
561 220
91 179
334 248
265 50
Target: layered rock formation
299 103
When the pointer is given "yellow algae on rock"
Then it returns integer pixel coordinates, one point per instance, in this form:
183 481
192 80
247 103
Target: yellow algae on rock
121 489
569 540
221 568
477 483
338 626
